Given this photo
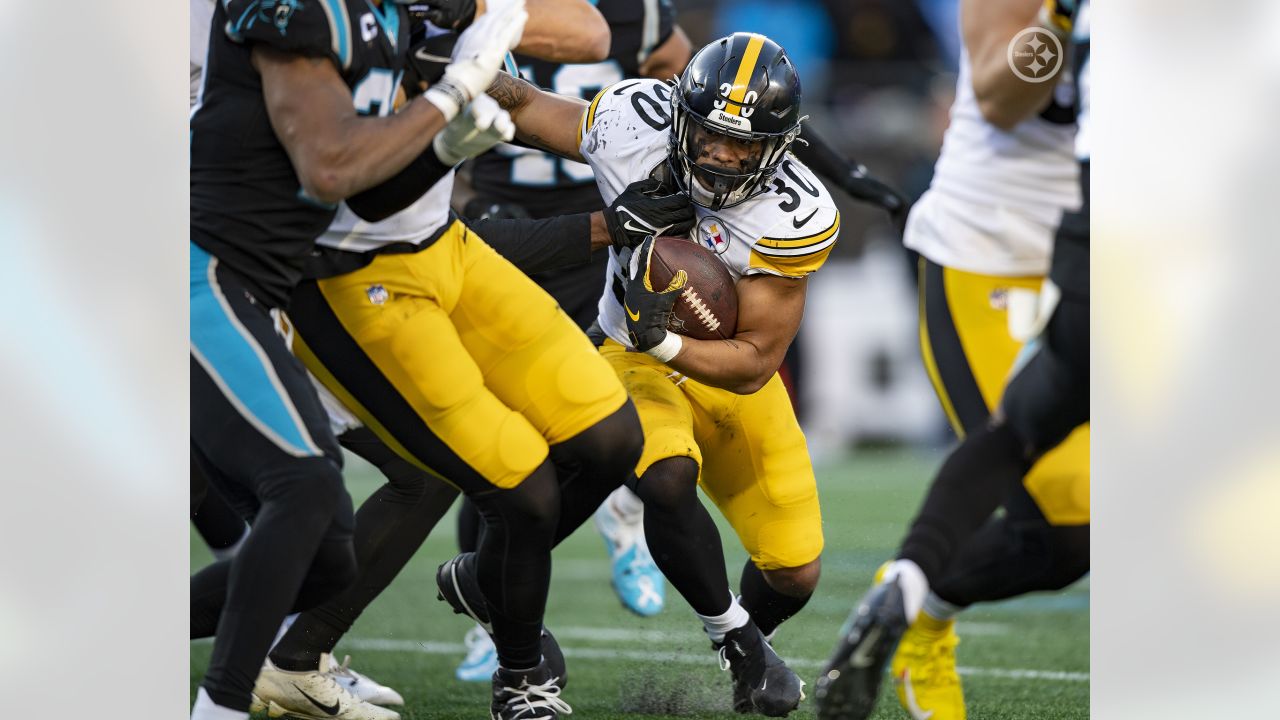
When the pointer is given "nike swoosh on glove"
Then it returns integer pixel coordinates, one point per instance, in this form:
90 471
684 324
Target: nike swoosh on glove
646 208
648 310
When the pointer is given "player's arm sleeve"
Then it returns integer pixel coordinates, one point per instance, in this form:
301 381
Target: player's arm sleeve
539 245
847 174
788 252
401 190
316 28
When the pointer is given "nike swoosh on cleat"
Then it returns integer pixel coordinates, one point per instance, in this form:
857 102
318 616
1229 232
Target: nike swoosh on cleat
800 223
913 705
862 657
328 709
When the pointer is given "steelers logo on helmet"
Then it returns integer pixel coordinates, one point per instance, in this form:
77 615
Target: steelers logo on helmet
736 111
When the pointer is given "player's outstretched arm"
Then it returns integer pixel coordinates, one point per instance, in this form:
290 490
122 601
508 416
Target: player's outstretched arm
336 152
1004 99
769 312
565 31
543 119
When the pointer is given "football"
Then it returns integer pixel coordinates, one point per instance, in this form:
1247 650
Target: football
708 305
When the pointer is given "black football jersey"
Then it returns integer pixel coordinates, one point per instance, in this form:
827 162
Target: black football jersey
544 184
247 207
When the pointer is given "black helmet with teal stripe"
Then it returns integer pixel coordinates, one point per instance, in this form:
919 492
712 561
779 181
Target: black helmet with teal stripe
742 87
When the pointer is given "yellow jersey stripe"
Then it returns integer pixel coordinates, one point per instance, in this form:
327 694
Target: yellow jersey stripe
795 266
792 243
589 114
743 76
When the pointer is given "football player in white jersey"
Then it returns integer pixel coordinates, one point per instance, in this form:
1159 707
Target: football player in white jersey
956 549
984 230
714 413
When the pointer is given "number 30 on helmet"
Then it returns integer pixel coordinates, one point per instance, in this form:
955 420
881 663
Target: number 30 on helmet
736 110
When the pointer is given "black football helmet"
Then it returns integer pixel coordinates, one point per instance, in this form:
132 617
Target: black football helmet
743 86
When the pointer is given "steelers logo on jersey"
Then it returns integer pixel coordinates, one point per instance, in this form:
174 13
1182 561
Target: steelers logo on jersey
713 233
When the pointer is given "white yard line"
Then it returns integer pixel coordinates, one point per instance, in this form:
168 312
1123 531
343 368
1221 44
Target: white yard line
707 658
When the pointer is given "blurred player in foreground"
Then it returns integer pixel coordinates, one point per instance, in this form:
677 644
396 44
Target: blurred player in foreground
1044 402
984 231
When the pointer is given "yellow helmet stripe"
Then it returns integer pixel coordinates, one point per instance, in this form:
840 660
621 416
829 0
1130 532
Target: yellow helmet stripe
743 76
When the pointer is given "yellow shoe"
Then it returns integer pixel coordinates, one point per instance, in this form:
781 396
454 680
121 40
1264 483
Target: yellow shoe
924 670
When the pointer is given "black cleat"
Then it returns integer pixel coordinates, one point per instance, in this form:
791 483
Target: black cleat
849 684
527 695
761 681
456 584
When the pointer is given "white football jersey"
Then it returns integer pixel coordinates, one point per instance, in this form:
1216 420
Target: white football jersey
997 196
788 230
413 224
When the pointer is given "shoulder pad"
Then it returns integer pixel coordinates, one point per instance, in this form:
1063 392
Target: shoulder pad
318 28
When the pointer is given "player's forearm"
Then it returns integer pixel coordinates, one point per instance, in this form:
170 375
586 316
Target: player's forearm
565 31
737 364
1004 99
543 120
363 151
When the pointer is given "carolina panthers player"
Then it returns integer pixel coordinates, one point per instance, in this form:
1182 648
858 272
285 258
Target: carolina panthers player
646 42
285 126
1046 400
714 413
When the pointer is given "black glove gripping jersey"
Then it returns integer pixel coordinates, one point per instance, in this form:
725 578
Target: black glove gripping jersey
247 207
542 183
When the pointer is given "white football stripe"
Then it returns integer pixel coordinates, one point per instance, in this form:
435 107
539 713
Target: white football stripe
708 658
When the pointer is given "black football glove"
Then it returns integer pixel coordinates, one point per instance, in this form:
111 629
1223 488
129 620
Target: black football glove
453 15
647 208
648 310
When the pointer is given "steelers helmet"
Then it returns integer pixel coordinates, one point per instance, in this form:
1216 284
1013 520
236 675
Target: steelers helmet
742 86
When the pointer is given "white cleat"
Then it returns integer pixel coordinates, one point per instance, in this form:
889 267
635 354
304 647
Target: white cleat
313 695
635 578
363 686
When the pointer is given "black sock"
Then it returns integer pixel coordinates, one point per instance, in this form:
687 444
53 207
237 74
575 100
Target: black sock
683 539
390 527
513 564
973 481
1016 553
470 527
594 463
767 607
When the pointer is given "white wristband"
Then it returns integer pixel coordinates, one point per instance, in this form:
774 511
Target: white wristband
447 97
667 349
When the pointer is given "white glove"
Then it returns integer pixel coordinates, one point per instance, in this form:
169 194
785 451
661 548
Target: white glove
481 126
478 56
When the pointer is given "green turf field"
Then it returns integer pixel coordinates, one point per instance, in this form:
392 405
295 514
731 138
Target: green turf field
1025 658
